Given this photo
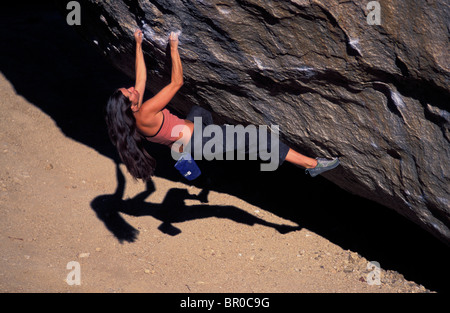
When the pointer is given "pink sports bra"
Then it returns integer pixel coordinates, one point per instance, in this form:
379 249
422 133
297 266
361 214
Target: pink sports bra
164 134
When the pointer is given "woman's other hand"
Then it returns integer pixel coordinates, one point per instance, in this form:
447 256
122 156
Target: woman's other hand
138 35
173 39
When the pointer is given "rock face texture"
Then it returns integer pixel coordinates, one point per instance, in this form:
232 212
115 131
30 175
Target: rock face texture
377 96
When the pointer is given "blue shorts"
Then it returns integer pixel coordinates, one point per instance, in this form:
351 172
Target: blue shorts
241 144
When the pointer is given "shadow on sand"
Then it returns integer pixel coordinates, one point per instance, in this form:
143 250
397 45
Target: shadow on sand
53 68
171 210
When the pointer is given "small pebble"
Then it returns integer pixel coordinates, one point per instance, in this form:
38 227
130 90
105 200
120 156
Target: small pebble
84 255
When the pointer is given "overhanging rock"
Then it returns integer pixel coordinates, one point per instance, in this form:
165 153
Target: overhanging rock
377 96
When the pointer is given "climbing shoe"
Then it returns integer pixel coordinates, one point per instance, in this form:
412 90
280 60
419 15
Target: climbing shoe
323 165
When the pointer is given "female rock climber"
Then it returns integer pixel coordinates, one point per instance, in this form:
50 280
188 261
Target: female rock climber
131 121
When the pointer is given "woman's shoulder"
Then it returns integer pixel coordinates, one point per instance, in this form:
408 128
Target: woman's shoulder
149 123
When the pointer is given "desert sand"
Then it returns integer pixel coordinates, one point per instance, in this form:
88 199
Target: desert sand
64 198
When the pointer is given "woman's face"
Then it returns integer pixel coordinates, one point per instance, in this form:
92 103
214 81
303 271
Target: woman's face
132 94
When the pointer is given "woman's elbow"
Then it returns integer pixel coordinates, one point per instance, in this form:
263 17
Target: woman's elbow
178 83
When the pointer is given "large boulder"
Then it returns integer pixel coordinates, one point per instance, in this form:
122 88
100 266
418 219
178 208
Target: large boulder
377 96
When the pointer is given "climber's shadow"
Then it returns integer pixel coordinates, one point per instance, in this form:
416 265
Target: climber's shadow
171 210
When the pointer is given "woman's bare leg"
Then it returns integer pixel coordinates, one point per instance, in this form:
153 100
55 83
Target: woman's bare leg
300 159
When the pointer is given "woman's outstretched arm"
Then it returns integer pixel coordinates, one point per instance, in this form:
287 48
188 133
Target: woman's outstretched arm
141 70
162 98
177 68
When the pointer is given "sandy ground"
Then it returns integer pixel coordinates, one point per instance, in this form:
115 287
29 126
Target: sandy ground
48 182
64 199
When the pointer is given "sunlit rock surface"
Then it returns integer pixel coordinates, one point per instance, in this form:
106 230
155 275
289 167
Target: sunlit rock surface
377 96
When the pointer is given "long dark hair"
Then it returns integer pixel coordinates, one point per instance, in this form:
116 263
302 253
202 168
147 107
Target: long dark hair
126 137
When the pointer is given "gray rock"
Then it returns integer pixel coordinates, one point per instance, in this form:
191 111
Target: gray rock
377 96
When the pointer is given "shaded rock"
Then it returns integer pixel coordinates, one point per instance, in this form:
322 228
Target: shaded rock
377 96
